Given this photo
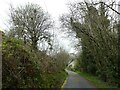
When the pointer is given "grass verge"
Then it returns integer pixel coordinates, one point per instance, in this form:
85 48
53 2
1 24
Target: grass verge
64 83
55 80
95 80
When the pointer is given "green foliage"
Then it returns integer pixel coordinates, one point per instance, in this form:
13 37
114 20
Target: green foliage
99 40
24 65
25 68
54 80
95 80
20 65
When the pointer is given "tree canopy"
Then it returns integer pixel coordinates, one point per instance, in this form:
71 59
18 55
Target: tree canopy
98 37
30 23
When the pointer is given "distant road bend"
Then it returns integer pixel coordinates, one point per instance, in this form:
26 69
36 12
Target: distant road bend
74 80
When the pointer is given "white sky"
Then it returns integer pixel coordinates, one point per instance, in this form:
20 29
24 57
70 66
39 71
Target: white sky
54 7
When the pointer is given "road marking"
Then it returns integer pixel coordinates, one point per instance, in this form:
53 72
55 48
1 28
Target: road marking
64 82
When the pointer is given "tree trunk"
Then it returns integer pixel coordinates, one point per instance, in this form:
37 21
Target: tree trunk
34 43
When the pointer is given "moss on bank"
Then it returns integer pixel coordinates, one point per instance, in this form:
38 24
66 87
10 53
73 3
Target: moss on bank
95 80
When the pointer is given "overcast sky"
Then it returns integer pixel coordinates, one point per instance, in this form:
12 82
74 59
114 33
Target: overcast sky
54 7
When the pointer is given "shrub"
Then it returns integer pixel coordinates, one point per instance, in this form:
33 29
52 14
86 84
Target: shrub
20 68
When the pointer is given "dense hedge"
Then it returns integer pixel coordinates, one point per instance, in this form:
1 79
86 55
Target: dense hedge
20 65
25 68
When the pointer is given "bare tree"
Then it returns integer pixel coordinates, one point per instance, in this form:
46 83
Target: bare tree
30 23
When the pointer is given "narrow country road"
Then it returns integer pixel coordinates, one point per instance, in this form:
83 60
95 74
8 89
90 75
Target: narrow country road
74 80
